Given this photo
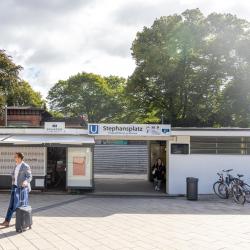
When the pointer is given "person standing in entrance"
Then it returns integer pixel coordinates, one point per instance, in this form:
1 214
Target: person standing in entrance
21 178
158 174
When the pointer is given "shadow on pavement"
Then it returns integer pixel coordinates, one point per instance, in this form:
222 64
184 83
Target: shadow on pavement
108 206
84 206
7 234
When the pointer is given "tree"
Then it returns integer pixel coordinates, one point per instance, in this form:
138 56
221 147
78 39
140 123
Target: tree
186 66
24 95
8 76
86 93
117 103
13 90
235 108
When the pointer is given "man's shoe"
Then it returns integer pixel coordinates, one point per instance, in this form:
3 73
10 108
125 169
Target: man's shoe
5 224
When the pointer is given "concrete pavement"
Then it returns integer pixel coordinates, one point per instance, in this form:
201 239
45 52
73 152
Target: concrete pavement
82 222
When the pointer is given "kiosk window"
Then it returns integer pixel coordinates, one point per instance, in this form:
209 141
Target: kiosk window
179 148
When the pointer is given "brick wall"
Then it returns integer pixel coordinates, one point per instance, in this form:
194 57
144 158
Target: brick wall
33 120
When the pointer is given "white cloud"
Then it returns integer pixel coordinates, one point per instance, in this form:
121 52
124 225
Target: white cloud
54 39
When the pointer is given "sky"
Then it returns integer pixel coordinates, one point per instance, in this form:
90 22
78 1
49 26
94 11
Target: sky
55 39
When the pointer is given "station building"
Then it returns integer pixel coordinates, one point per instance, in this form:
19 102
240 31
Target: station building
70 158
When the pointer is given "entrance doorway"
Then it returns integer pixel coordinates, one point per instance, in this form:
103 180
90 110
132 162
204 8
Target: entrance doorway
158 150
125 166
56 168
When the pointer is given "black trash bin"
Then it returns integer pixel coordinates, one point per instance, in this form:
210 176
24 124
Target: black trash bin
192 188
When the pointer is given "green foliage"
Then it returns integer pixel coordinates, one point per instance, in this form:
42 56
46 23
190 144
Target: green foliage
56 114
187 67
86 93
13 90
235 108
8 72
24 95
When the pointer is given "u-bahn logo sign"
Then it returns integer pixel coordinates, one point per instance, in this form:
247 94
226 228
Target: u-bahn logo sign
129 129
93 129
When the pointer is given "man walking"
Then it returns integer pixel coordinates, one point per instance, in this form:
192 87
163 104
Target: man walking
21 178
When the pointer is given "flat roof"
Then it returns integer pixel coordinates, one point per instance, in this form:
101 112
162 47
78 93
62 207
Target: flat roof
209 129
211 132
25 107
243 132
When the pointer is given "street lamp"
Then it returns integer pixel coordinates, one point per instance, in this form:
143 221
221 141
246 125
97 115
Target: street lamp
6 116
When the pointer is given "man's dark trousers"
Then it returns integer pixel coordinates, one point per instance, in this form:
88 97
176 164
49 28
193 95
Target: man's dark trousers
15 200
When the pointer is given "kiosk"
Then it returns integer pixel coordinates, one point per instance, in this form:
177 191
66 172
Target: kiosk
59 158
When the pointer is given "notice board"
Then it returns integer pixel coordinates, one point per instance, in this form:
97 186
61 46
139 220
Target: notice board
79 167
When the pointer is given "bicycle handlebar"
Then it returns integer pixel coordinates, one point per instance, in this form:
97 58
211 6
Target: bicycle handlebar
228 170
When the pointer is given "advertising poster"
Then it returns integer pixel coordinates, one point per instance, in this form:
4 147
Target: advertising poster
79 166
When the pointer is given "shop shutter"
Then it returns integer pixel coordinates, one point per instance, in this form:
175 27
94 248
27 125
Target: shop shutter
121 159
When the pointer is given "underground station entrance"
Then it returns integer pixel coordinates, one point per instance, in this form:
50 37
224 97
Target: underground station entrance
98 160
127 167
56 169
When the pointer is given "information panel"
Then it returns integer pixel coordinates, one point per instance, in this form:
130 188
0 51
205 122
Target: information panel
79 167
34 156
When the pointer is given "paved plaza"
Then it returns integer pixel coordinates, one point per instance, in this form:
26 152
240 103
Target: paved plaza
88 222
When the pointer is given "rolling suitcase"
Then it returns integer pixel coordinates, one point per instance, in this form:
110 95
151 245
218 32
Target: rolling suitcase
23 215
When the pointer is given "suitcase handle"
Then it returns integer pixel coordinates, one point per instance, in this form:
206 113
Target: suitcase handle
21 200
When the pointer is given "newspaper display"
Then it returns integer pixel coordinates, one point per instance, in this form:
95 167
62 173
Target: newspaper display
34 156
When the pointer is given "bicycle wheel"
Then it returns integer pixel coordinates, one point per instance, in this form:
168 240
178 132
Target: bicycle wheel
238 194
246 189
220 189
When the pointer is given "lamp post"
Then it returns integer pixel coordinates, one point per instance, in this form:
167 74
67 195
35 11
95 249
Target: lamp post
162 121
6 116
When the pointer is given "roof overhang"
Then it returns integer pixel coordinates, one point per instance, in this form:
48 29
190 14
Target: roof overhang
212 132
41 131
46 139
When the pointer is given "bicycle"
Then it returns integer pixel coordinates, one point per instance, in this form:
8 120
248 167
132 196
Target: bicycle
238 192
217 185
220 187
230 185
245 187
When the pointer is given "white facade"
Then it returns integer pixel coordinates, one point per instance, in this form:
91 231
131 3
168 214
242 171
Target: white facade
203 166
